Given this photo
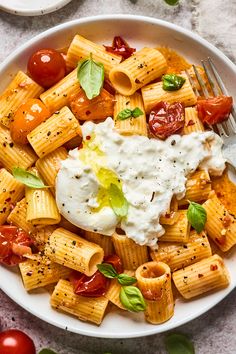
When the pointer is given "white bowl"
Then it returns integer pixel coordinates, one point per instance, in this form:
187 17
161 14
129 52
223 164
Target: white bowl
32 7
138 31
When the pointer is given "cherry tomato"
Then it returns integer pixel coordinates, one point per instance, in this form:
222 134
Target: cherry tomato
27 117
115 261
93 286
166 119
120 47
14 244
14 341
46 67
214 109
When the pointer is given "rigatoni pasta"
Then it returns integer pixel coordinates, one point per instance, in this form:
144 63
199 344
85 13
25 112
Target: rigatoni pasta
73 251
19 89
137 71
90 309
103 241
179 231
57 130
130 126
196 279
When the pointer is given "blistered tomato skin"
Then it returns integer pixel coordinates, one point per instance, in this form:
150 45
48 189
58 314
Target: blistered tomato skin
46 67
27 117
120 47
166 119
14 341
115 261
93 286
214 110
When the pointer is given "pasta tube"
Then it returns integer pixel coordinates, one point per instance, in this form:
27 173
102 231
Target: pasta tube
154 93
49 165
19 90
81 48
192 122
10 192
180 255
103 241
18 217
71 250
131 254
154 281
90 309
57 130
41 272
198 187
130 126
41 236
220 225
179 231
14 155
201 277
137 71
58 95
41 206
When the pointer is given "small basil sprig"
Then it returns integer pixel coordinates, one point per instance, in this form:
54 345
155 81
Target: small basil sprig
172 2
47 351
27 178
132 298
172 82
117 200
91 77
109 272
178 344
129 113
197 216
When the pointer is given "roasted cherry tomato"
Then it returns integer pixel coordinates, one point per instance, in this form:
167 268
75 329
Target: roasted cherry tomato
27 117
115 261
14 244
46 67
14 341
214 110
166 119
93 286
120 47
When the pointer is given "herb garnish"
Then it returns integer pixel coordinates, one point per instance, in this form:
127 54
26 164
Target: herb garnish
178 344
27 178
117 200
129 113
91 76
172 82
130 296
197 216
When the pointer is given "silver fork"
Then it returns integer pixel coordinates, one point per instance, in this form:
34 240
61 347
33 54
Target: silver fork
227 129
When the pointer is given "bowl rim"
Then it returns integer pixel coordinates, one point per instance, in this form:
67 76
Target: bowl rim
37 12
70 24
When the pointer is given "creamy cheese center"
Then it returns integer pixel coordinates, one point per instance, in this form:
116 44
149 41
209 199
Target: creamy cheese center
151 172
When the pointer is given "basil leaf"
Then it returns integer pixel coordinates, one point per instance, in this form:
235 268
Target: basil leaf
132 298
126 113
47 351
27 178
91 76
172 82
197 216
129 113
179 344
117 200
172 2
107 270
136 112
124 279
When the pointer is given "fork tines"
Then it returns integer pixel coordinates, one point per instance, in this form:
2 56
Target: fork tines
214 87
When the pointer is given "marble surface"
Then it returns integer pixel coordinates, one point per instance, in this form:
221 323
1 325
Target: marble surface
215 20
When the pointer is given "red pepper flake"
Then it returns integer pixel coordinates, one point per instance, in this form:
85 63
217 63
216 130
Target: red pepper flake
219 194
220 241
190 122
88 137
200 275
8 199
87 113
213 267
226 221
